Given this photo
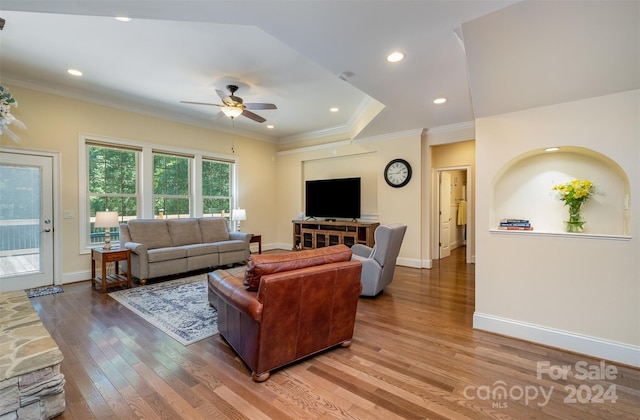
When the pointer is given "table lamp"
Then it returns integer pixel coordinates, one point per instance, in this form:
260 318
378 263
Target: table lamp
238 215
107 220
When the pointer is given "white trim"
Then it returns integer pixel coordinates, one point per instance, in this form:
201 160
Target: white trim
127 142
566 340
390 136
345 129
314 148
435 213
563 234
333 131
452 127
409 262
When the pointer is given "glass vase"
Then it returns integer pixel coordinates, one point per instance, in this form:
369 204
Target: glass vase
575 224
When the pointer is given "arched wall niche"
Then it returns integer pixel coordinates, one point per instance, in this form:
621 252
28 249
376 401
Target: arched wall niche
523 189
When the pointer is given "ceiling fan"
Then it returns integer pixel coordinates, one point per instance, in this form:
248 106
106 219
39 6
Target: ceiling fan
233 106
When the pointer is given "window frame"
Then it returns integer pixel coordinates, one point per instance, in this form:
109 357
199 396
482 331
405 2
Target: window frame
145 174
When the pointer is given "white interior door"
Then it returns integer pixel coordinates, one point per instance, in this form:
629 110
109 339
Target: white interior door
445 214
26 221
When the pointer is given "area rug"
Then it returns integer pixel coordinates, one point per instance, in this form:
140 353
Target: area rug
43 291
180 308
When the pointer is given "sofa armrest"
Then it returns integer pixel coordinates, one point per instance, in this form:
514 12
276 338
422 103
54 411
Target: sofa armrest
136 248
231 289
240 236
139 259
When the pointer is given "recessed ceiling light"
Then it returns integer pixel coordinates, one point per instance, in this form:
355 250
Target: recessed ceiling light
270 126
334 109
395 56
439 101
551 149
123 18
74 72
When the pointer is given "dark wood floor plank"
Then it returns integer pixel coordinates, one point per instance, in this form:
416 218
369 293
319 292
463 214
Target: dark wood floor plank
414 355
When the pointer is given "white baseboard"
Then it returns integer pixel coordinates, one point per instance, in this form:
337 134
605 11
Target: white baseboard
284 246
76 276
409 262
591 346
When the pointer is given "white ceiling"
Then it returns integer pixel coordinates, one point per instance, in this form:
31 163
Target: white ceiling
292 54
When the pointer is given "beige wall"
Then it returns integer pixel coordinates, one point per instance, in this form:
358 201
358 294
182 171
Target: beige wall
54 124
580 292
382 202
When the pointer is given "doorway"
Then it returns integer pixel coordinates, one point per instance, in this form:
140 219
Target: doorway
451 221
27 236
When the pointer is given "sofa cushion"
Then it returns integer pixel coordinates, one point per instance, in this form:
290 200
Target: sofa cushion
151 232
184 231
231 245
263 264
166 254
194 250
213 229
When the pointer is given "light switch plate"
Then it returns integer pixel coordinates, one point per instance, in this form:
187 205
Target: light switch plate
68 214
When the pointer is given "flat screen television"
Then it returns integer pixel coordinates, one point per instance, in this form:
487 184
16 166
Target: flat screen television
333 198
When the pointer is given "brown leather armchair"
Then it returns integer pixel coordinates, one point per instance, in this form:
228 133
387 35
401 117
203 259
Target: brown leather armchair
287 306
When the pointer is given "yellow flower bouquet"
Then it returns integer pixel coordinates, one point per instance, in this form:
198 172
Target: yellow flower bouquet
574 194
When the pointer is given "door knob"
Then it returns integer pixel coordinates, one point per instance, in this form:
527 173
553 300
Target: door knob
47 229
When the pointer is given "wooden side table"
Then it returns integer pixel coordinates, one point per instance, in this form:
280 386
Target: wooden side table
104 256
257 239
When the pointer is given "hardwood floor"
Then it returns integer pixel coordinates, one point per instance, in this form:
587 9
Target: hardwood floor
414 355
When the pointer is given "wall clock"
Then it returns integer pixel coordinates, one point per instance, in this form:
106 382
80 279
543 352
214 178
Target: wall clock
397 173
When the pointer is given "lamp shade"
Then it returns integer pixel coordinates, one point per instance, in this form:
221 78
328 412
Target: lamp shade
238 214
106 219
231 111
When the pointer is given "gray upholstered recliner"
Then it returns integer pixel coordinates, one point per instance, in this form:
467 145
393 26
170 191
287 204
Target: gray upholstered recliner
379 262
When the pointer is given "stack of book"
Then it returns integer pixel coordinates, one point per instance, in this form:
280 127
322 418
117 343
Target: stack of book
515 224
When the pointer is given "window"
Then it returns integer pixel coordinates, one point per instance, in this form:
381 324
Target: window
140 181
171 186
216 187
112 181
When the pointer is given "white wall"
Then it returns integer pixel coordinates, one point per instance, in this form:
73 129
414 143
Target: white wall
578 292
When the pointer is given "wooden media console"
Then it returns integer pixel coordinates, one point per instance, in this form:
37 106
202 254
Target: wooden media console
310 234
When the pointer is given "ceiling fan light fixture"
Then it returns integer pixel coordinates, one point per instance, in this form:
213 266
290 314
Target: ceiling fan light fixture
231 111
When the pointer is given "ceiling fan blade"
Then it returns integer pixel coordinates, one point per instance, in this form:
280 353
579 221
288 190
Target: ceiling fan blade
260 106
221 94
252 116
198 103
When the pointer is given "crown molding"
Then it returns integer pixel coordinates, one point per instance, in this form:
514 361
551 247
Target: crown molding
342 130
451 127
315 147
391 136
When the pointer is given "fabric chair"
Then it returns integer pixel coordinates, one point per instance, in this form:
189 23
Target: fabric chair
379 262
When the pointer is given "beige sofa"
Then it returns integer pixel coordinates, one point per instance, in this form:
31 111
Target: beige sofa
162 247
